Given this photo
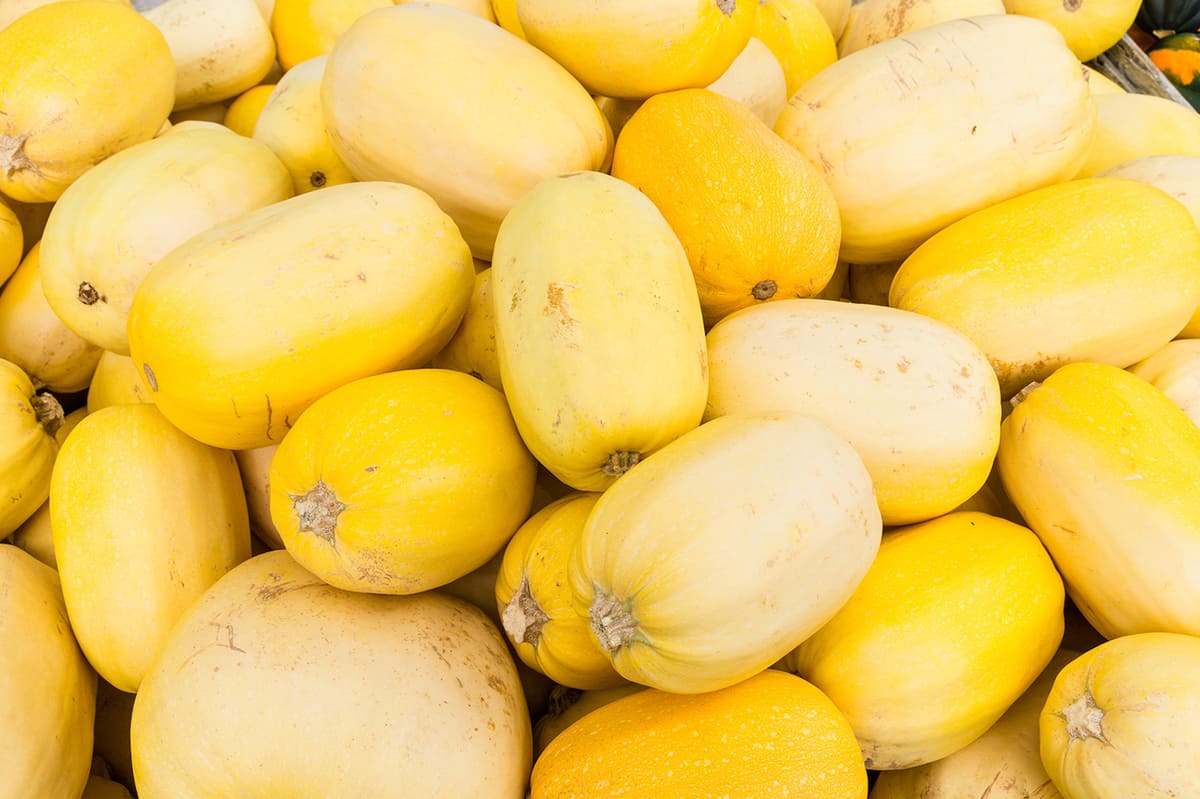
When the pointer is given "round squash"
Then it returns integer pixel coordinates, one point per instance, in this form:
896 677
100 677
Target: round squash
1103 466
875 21
28 421
401 482
1087 270
1120 721
601 364
131 564
625 48
115 382
363 278
473 347
859 368
758 222
1175 371
924 128
968 609
755 79
535 602
35 338
292 125
719 553
393 696
47 688
126 214
66 73
771 735
518 116
799 35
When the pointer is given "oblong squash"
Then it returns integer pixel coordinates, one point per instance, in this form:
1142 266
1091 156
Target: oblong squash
602 364
305 29
800 36
518 116
627 48
859 368
1089 27
131 564
721 552
536 606
1120 721
401 482
772 735
66 73
47 688
969 610
1103 466
28 422
1101 269
127 213
922 129
875 21
12 241
1175 371
1133 125
409 678
473 347
363 278
756 80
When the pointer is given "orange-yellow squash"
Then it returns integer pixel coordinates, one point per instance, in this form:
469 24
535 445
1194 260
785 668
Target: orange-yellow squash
362 278
954 621
719 553
401 482
772 735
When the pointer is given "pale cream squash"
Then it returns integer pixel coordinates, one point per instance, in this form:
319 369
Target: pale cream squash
836 13
66 72
401 482
1132 125
536 604
254 466
395 695
756 80
1120 721
1175 371
719 553
924 128
875 21
1103 466
47 688
625 48
132 562
518 116
124 215
968 609
858 368
1100 269
1099 83
364 278
601 364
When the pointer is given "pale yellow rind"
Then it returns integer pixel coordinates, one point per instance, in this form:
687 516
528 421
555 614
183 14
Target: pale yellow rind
1175 371
875 21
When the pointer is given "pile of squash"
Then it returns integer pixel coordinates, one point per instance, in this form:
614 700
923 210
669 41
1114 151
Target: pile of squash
698 398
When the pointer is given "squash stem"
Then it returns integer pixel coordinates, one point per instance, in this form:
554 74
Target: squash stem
1084 717
620 462
523 617
48 410
612 622
318 511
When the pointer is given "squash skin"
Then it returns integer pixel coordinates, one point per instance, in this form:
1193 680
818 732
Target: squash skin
1175 371
968 607
495 156
800 36
114 382
630 49
722 743
735 491
594 384
47 688
1089 28
756 80
473 347
535 602
27 426
65 71
570 705
908 152
857 368
1131 125
383 672
1139 692
132 564
235 361
874 21
1103 466
1086 270
127 213
422 474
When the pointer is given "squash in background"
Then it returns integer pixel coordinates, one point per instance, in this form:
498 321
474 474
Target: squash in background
116 381
1089 26
858 368
12 241
569 705
954 620
518 117
626 48
927 127
1130 125
65 75
473 347
47 688
394 695
799 36
242 114
1175 371
254 466
721 552
11 9
836 13
304 29
874 21
1120 721
755 79
772 735
1103 466
1102 269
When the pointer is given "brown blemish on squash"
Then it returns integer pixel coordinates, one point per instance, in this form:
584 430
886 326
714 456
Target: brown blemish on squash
153 381
612 622
523 618
318 511
727 7
48 411
317 179
1072 5
88 294
903 364
764 290
556 305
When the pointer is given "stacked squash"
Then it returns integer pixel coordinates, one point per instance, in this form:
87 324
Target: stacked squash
704 397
